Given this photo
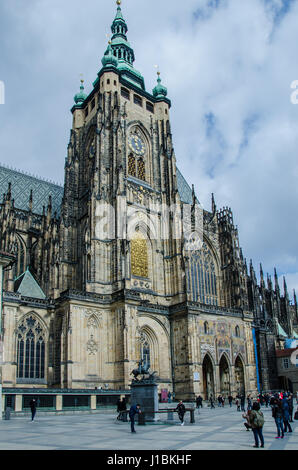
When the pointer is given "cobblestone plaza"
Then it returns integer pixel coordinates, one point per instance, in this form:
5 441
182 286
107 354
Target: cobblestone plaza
214 429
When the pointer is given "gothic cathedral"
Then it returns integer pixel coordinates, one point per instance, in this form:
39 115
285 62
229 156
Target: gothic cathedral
123 264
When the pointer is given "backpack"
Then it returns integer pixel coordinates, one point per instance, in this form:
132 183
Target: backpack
258 419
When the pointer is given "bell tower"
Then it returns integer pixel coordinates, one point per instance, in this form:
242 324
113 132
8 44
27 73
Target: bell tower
120 183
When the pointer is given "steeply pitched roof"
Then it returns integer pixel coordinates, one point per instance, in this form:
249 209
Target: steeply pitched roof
27 286
184 189
21 185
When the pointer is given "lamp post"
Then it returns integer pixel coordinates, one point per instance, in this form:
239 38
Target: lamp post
6 260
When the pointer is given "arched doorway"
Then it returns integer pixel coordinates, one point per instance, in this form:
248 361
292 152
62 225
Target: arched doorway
224 375
208 377
239 376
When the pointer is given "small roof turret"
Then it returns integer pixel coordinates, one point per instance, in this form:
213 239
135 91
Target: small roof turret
81 96
109 59
159 91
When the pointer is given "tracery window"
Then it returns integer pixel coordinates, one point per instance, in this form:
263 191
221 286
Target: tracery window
132 166
237 331
141 169
139 257
202 277
206 328
30 349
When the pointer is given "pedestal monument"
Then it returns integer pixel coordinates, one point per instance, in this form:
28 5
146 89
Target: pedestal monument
144 392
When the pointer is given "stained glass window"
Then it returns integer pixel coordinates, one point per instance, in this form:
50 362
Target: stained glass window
202 277
30 349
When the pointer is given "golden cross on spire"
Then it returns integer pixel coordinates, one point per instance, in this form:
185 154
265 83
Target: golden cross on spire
82 78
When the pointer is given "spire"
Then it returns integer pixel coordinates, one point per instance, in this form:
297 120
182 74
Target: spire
213 204
269 282
120 46
276 281
262 276
159 91
285 288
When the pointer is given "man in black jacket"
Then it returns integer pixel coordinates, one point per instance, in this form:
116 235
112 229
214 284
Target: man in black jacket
181 411
134 409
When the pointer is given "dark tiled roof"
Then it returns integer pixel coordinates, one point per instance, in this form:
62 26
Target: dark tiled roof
21 185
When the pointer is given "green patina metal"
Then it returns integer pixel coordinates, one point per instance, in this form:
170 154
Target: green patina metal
27 286
160 91
80 97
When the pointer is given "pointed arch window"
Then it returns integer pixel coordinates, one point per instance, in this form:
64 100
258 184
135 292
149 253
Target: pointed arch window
202 277
30 349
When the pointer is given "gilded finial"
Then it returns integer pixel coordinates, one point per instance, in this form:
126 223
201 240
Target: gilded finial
118 2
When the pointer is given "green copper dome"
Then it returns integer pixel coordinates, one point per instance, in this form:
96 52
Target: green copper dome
109 58
81 96
159 91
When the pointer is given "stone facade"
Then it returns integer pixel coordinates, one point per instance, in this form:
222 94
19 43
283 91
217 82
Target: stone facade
115 289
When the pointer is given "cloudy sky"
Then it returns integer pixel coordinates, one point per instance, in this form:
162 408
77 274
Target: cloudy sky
228 66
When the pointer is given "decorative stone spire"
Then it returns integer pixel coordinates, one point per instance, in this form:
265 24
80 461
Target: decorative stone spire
159 91
286 295
277 291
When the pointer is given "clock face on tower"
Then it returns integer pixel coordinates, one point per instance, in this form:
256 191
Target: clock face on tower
137 145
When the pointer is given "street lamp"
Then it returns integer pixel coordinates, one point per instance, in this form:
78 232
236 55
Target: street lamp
6 259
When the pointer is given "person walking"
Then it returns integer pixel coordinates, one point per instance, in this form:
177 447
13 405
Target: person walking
230 399
169 397
249 402
199 402
242 400
181 411
238 404
277 414
286 414
33 408
211 402
256 420
291 407
119 408
134 410
219 400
